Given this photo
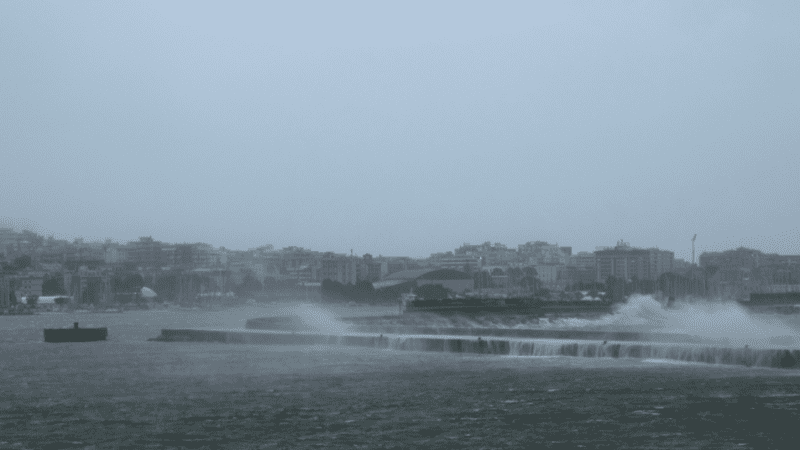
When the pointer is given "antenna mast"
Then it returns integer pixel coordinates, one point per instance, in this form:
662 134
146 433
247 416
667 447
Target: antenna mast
691 276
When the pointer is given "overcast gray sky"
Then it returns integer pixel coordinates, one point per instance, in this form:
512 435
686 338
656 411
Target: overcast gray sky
405 128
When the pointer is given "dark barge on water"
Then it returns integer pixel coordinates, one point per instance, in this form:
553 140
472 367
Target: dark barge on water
75 334
777 302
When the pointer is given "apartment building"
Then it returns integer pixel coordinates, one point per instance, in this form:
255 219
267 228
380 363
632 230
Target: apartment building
626 262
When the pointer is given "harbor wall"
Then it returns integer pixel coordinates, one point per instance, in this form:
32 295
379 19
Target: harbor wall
695 353
294 324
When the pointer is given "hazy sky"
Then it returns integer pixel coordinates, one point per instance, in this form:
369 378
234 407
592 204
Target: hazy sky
405 128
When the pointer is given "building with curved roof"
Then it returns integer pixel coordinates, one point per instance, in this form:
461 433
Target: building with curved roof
455 280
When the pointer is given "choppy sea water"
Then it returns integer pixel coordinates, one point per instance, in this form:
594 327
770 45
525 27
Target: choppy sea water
130 393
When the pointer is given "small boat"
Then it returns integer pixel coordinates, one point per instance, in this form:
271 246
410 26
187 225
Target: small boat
75 334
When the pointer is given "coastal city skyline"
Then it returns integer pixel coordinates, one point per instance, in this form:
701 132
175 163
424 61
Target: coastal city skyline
773 243
95 273
362 224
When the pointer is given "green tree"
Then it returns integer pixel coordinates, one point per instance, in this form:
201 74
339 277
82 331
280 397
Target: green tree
482 280
364 290
53 285
332 290
32 300
22 262
515 275
616 289
167 286
93 292
131 282
270 284
530 279
432 292
249 284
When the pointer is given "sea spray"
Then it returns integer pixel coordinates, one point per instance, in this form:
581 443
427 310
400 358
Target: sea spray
718 323
319 319
722 322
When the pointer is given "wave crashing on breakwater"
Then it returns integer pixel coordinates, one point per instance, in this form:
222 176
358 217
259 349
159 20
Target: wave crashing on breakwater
720 323
692 353
642 318
700 332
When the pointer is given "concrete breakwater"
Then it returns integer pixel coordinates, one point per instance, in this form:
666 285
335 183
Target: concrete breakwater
698 353
361 326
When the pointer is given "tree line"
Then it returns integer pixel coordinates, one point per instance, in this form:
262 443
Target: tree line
334 291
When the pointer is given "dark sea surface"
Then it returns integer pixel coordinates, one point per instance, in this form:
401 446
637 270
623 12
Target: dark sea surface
131 393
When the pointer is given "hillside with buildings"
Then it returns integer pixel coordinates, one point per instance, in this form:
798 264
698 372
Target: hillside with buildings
97 274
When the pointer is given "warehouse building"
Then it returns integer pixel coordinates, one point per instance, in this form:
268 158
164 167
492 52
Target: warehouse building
455 280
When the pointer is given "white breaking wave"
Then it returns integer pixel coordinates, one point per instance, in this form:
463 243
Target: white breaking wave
719 323
724 322
318 319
